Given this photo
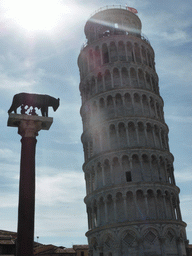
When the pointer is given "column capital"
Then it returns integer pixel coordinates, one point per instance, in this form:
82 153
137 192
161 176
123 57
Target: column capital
29 128
29 125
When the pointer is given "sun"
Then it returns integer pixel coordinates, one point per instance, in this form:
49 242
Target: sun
34 15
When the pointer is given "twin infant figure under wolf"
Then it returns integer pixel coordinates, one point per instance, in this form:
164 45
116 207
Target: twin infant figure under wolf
40 101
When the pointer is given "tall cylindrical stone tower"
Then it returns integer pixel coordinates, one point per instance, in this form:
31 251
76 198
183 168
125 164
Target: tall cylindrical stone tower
132 200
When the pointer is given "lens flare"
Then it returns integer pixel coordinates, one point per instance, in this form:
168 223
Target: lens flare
34 15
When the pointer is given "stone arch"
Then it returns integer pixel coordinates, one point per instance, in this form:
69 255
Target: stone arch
145 105
121 51
107 173
90 146
169 171
116 78
162 169
146 167
113 52
105 54
163 139
94 108
141 78
110 101
110 107
125 77
93 85
87 91
152 107
85 65
143 54
110 208
150 139
137 53
101 211
85 149
119 207
130 206
151 204
94 244
156 134
101 103
153 84
97 142
137 104
104 139
97 56
130 55
171 241
174 206
108 243
116 171
89 214
129 243
140 201
107 79
155 168
151 242
122 135
119 105
118 100
168 205
149 59
128 104
133 76
141 134
88 182
132 134
160 205
148 80
93 181
94 213
126 168
91 62
136 168
99 176
113 136
99 82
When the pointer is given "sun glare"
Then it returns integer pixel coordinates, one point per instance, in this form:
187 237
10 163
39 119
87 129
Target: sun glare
34 15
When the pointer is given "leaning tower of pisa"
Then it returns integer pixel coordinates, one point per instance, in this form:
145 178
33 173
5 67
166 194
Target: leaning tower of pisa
131 198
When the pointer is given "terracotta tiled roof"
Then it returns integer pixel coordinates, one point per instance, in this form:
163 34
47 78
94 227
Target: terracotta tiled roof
64 250
7 237
80 246
44 248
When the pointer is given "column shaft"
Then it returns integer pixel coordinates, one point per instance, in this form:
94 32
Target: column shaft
25 236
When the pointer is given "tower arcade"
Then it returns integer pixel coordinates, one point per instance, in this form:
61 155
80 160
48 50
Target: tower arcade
132 199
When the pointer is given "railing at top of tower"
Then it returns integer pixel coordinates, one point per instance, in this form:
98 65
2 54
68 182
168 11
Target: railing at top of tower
110 7
142 36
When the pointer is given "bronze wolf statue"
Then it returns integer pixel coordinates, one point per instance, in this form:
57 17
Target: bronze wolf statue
39 101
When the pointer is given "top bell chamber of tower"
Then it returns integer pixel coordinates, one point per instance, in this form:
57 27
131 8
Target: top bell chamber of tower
115 21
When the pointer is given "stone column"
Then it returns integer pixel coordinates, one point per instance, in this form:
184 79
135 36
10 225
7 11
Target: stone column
162 243
28 128
26 211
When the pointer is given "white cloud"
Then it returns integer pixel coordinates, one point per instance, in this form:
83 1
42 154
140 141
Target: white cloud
65 187
167 26
11 200
180 119
184 175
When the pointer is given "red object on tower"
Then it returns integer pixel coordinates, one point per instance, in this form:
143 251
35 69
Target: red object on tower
132 9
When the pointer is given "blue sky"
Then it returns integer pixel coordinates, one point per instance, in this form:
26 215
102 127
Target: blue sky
38 53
